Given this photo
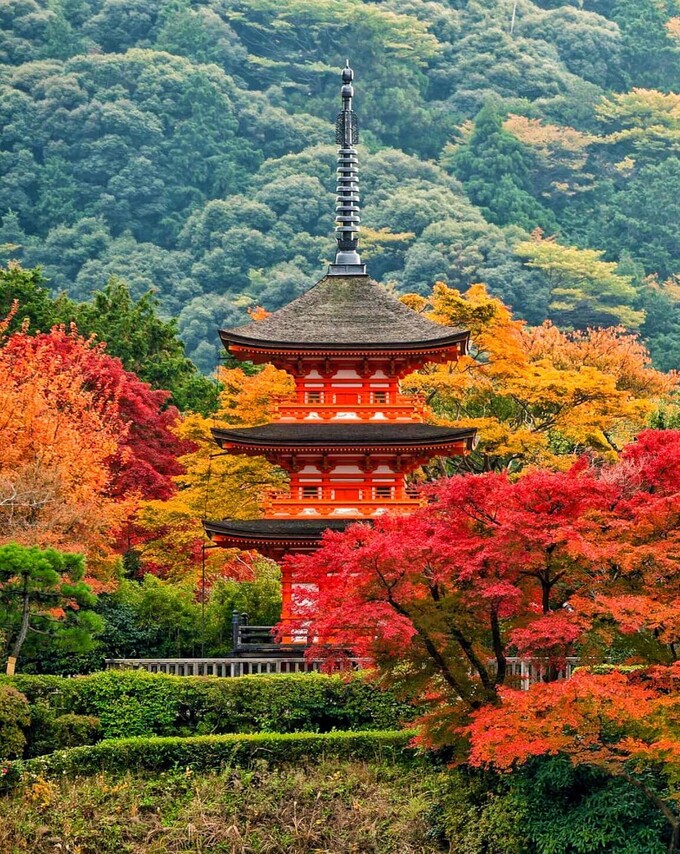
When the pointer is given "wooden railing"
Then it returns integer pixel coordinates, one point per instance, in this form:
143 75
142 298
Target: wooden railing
363 508
223 667
521 673
363 411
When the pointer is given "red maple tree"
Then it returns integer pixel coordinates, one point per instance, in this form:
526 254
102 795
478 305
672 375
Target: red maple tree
555 564
624 722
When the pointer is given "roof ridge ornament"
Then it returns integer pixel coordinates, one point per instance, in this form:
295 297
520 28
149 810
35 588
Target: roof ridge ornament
347 208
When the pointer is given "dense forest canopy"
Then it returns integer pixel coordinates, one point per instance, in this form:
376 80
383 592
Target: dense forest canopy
185 146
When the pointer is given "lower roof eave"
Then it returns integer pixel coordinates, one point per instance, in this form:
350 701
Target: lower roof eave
273 531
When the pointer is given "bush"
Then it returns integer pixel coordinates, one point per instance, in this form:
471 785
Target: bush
14 716
136 703
211 753
50 730
76 730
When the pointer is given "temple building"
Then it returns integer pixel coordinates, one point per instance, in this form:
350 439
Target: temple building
349 438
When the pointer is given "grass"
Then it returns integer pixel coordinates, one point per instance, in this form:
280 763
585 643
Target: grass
331 807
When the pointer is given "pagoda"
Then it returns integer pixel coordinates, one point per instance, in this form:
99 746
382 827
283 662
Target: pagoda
349 439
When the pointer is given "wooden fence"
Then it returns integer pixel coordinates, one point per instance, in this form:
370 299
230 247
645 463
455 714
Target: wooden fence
224 667
521 672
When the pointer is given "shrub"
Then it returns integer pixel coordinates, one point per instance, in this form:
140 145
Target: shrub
51 731
14 717
132 703
212 752
76 730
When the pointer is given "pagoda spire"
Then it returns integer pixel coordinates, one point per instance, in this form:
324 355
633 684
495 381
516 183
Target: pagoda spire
347 208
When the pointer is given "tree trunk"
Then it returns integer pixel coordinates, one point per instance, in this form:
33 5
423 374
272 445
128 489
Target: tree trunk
23 630
674 844
545 596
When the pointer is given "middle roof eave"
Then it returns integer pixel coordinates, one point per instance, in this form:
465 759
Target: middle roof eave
334 435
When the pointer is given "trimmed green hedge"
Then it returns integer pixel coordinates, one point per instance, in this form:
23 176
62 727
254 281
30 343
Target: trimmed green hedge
210 753
136 703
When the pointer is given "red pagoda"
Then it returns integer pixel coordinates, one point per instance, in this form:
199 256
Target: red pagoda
350 438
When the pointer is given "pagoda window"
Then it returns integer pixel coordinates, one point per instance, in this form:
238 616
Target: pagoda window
314 396
311 492
380 397
384 491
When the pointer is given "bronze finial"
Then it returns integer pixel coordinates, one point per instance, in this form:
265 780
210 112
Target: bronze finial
347 209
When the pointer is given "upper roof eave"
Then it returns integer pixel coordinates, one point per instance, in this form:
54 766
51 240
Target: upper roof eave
453 339
275 529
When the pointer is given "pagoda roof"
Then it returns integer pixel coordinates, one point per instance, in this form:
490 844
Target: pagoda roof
344 313
325 435
275 529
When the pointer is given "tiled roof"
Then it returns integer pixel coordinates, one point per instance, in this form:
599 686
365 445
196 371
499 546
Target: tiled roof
341 312
275 528
338 434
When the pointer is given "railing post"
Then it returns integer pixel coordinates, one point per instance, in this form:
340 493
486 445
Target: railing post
235 630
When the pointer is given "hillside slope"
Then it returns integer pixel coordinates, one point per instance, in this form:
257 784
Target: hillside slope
186 146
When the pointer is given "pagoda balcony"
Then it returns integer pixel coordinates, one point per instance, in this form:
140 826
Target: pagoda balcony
360 509
407 411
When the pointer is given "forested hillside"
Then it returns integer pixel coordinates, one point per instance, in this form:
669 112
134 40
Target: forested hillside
186 146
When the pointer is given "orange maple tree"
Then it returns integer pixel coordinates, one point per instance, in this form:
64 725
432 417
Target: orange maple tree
57 439
624 722
536 395
214 485
81 441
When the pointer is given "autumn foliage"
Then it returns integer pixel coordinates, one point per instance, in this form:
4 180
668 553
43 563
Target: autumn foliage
495 572
81 442
213 485
537 395
581 562
624 722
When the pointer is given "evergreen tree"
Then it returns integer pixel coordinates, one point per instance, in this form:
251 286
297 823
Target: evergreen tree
495 169
133 331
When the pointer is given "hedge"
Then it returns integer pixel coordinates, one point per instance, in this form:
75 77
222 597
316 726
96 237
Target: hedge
137 703
14 717
210 753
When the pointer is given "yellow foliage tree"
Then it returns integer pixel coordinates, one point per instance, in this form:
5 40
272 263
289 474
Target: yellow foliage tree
641 118
584 289
537 396
215 485
561 152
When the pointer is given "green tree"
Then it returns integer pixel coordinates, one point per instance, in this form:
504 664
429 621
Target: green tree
259 598
43 591
585 290
495 169
133 330
35 305
146 344
642 218
649 56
